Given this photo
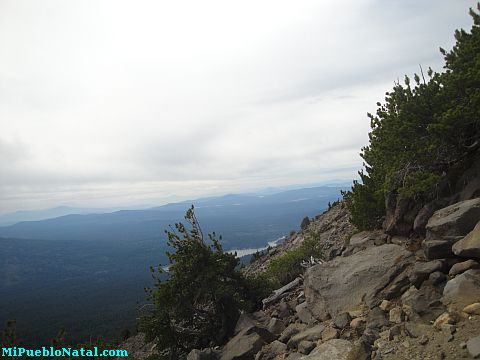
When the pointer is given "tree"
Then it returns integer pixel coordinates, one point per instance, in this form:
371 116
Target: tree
420 132
198 305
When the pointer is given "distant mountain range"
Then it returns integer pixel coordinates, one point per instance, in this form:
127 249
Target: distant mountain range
86 272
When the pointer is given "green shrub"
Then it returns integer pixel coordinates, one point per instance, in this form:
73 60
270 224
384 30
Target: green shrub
420 131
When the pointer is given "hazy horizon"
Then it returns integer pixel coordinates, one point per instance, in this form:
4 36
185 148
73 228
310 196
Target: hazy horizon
114 103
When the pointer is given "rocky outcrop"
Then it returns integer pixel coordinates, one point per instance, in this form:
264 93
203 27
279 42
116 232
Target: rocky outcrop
337 349
447 226
246 343
462 290
345 282
469 246
454 220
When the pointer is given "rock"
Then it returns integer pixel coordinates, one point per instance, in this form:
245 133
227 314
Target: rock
376 319
426 213
448 328
341 320
454 220
436 278
472 309
270 351
443 319
138 346
424 302
397 287
416 330
304 313
329 333
305 346
244 321
386 305
396 315
364 239
276 326
357 323
469 246
310 334
291 330
421 271
438 249
206 354
246 343
337 349
461 267
462 290
294 356
423 339
340 284
473 347
284 309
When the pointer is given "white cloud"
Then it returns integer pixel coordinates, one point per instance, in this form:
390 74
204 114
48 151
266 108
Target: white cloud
118 102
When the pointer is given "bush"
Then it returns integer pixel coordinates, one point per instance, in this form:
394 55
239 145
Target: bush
420 132
287 267
198 305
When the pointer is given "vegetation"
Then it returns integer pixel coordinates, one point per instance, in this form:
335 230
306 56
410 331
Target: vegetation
420 132
287 267
198 304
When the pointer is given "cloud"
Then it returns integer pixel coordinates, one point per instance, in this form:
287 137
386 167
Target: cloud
121 102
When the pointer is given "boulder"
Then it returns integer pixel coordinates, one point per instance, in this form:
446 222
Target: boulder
246 343
438 249
341 320
310 334
329 333
270 351
422 270
469 246
364 239
425 302
461 267
376 319
276 326
244 321
291 330
472 309
454 220
304 314
341 284
305 346
462 290
473 347
206 354
337 349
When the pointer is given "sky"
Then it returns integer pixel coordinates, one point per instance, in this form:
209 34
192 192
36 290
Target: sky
117 103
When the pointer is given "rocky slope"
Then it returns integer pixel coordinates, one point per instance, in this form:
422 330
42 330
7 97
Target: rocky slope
375 296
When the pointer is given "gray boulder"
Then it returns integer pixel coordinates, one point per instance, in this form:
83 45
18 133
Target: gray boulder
291 330
461 267
304 313
337 349
206 354
422 270
311 334
439 249
462 290
246 343
469 246
454 220
276 326
341 284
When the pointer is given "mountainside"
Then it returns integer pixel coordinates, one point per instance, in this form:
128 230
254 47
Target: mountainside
392 271
87 273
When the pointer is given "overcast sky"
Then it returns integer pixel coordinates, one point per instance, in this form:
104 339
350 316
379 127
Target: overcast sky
108 103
